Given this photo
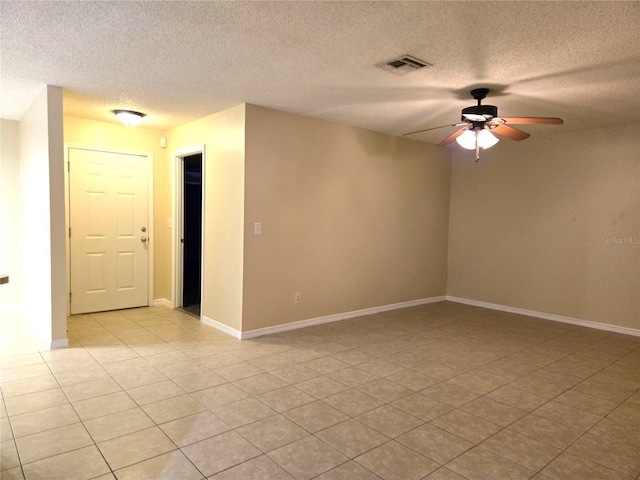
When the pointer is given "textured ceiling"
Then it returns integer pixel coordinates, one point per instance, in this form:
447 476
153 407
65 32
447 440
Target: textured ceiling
179 61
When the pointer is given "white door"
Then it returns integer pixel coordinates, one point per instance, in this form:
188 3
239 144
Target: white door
109 236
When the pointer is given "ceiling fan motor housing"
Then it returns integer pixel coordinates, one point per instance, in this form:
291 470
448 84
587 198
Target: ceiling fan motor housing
487 111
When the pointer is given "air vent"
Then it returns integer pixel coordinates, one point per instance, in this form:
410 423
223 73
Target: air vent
404 64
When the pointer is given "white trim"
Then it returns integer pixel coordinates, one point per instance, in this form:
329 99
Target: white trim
222 327
67 209
547 316
336 317
55 344
395 306
176 222
162 302
176 206
150 227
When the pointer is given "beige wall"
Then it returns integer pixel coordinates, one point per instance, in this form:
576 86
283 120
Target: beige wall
351 219
540 225
222 134
10 210
120 137
42 205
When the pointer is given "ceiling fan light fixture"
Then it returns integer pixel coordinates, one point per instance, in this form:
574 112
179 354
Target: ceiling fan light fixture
486 139
129 117
480 121
467 140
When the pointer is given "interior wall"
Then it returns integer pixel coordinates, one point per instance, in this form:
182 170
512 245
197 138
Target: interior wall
222 134
121 137
351 219
550 225
10 208
42 206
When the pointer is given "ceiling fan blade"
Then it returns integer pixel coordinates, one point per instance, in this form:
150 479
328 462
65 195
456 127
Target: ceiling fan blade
510 132
534 120
452 137
434 128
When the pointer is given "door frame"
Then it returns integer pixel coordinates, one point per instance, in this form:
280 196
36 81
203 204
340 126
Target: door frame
176 215
67 206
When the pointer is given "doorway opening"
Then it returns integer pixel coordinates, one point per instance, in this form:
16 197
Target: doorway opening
189 214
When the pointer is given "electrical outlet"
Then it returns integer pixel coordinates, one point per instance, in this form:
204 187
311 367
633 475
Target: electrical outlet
297 298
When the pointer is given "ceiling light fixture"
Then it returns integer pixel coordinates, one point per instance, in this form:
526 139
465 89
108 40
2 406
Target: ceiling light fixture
484 138
129 117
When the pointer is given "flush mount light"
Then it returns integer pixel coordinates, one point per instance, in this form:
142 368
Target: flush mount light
129 117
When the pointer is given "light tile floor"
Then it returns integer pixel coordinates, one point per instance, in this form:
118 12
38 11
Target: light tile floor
441 391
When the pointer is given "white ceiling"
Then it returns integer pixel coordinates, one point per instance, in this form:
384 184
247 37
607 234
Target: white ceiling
179 61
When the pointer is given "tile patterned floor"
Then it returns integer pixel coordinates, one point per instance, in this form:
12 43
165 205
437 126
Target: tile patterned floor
439 392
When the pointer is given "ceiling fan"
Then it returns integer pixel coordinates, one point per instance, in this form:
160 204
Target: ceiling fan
480 122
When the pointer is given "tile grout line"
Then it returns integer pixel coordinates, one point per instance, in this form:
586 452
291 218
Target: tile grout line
385 402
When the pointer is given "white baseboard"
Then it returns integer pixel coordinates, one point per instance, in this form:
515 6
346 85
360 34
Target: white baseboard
55 344
258 332
162 302
335 318
222 327
547 316
395 306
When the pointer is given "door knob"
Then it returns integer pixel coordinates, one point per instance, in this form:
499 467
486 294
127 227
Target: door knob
143 239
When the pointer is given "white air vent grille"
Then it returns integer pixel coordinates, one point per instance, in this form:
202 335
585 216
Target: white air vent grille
404 64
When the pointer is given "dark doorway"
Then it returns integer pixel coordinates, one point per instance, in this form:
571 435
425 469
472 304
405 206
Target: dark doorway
192 233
